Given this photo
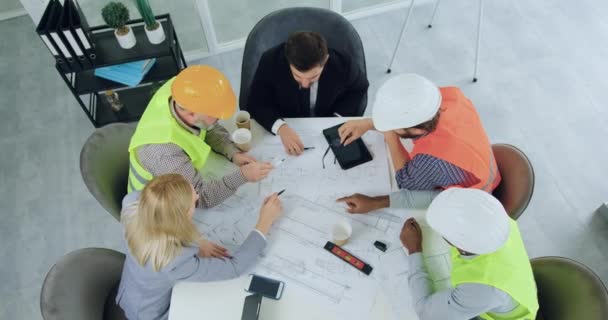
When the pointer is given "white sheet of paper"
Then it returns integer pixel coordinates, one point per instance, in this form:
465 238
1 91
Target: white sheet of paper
305 175
295 252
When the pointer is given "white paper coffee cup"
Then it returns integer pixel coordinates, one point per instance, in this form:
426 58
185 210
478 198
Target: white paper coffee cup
243 119
242 139
342 231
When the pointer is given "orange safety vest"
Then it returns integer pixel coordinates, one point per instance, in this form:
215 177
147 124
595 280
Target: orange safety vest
461 140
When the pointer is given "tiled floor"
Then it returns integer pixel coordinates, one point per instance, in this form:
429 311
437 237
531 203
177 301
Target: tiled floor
542 88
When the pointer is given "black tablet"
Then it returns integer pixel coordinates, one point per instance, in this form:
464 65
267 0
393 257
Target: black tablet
349 156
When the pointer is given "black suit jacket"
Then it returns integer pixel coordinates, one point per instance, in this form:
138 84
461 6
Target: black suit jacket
275 94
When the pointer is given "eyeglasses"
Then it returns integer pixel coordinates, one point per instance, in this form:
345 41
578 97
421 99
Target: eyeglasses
325 154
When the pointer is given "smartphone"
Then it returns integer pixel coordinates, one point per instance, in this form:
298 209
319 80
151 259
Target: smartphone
267 287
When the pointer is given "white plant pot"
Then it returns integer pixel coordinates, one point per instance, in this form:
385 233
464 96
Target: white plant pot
126 41
157 35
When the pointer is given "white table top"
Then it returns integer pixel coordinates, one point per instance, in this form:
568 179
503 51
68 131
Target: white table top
224 299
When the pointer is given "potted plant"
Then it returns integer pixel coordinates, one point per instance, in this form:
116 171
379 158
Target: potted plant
116 15
154 30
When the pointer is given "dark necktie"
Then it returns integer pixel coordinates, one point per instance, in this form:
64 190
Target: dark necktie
305 102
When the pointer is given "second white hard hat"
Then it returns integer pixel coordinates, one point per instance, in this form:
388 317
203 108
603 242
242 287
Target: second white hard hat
404 101
470 219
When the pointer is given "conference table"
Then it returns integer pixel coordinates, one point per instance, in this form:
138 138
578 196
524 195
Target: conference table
224 299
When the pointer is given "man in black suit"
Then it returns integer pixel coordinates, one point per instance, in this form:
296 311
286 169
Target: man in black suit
303 78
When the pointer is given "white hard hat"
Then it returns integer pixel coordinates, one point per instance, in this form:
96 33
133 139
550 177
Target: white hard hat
404 101
470 219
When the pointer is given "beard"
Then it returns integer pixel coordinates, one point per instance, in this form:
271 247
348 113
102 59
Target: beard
409 136
200 124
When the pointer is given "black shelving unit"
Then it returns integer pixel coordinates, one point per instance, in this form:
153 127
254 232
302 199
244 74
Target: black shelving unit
88 89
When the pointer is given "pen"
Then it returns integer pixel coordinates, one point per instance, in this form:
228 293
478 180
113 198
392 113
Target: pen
281 192
337 115
276 163
309 148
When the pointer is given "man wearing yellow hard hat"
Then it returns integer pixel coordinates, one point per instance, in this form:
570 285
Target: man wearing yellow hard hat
179 129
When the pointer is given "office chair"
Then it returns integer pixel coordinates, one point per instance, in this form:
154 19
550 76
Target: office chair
568 290
82 285
517 185
104 165
275 28
430 25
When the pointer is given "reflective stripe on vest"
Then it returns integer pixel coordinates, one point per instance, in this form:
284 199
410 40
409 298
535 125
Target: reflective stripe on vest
136 179
490 183
507 269
158 126
460 139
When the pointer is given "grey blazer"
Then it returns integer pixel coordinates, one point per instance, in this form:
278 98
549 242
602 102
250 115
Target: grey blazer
146 294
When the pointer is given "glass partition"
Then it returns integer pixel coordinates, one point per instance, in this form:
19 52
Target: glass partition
184 14
233 19
354 5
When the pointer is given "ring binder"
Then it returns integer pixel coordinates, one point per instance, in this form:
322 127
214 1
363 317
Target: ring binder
70 35
43 32
80 25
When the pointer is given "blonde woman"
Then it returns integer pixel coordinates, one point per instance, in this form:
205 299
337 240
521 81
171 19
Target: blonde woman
164 246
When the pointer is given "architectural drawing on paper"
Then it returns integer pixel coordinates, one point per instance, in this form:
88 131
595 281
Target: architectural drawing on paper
395 283
296 255
299 274
229 223
305 175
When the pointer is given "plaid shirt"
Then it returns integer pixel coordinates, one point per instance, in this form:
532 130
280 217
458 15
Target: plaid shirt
159 159
425 172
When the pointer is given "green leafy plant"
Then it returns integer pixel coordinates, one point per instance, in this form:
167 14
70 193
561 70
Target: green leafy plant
143 6
116 15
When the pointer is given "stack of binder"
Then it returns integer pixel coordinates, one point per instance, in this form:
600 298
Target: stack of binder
65 33
130 74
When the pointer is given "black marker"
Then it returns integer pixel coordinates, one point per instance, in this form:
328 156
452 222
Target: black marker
309 148
281 192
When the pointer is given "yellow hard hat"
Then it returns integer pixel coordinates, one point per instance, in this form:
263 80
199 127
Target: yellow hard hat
204 90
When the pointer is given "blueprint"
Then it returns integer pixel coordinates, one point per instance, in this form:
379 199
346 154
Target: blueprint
312 176
394 282
295 251
395 271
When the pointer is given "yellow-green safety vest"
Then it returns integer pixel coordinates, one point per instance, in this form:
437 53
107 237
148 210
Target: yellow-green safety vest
507 269
156 126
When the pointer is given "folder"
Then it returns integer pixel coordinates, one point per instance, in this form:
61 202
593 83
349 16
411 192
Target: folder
81 28
130 74
54 30
42 31
70 36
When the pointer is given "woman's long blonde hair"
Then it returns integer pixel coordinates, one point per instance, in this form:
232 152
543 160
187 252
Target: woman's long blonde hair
162 224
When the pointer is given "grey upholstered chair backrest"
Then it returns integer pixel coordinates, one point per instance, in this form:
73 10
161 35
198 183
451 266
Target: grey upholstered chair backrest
82 285
517 185
275 28
568 290
104 164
